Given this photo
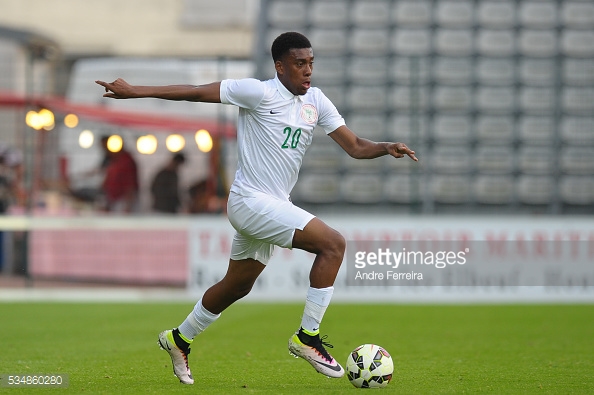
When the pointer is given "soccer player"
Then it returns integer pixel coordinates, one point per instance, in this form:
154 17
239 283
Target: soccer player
275 127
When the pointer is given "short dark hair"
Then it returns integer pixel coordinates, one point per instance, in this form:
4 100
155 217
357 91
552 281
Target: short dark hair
179 158
287 41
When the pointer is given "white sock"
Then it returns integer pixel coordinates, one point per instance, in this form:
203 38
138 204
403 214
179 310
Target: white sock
197 321
316 302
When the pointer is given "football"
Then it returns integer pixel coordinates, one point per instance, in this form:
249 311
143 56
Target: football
369 366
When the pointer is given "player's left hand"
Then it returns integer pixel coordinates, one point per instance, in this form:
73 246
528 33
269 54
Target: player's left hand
398 150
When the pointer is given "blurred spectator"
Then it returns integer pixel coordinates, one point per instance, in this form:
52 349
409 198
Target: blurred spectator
165 186
205 199
120 185
92 193
11 191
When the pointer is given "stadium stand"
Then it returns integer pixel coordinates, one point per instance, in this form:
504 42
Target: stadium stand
497 97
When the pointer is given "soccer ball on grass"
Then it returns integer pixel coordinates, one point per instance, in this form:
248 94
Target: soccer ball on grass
369 366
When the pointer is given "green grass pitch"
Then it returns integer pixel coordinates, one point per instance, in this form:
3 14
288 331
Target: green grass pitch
111 348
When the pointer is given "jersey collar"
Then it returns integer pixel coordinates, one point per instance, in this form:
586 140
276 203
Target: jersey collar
285 93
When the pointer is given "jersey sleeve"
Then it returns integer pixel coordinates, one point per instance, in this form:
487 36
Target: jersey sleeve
329 118
245 93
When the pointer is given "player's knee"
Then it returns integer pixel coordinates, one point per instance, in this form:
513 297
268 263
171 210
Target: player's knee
241 291
335 246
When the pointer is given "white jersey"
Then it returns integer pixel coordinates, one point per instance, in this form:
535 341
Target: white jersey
274 130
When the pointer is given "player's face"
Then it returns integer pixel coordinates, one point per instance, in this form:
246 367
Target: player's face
294 70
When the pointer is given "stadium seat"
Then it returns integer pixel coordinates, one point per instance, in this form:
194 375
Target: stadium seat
287 14
536 160
577 42
495 99
328 41
493 71
577 160
535 189
371 126
537 129
578 14
317 188
409 98
495 42
538 14
368 69
411 42
538 43
329 14
330 69
412 13
494 128
367 97
322 158
406 70
578 100
577 190
578 71
454 13
374 13
494 189
403 188
362 188
449 98
577 130
453 42
537 100
537 71
408 128
369 42
452 70
450 189
489 159
496 13
451 159
447 128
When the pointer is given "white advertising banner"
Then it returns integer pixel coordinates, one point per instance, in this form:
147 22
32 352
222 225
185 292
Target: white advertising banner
286 276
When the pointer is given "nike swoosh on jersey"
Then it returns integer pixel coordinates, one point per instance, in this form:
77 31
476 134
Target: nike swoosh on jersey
335 368
273 113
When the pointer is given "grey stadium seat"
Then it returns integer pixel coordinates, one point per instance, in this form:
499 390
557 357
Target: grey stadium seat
328 14
362 188
489 159
578 14
496 14
495 71
537 129
497 128
371 13
451 189
494 189
577 190
454 13
535 189
412 13
538 14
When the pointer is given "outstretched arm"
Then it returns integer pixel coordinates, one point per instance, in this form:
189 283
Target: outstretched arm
360 148
120 89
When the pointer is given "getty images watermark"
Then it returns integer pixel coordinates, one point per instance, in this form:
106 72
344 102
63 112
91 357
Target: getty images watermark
470 263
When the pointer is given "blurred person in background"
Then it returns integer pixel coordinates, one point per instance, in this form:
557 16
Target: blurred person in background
93 193
120 185
276 121
165 186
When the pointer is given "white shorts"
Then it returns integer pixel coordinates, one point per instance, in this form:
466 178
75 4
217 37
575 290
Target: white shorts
263 221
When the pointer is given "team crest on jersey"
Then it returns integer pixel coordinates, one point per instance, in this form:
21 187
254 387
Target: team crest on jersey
309 113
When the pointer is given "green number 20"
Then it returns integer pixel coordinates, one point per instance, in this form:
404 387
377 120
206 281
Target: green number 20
293 136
